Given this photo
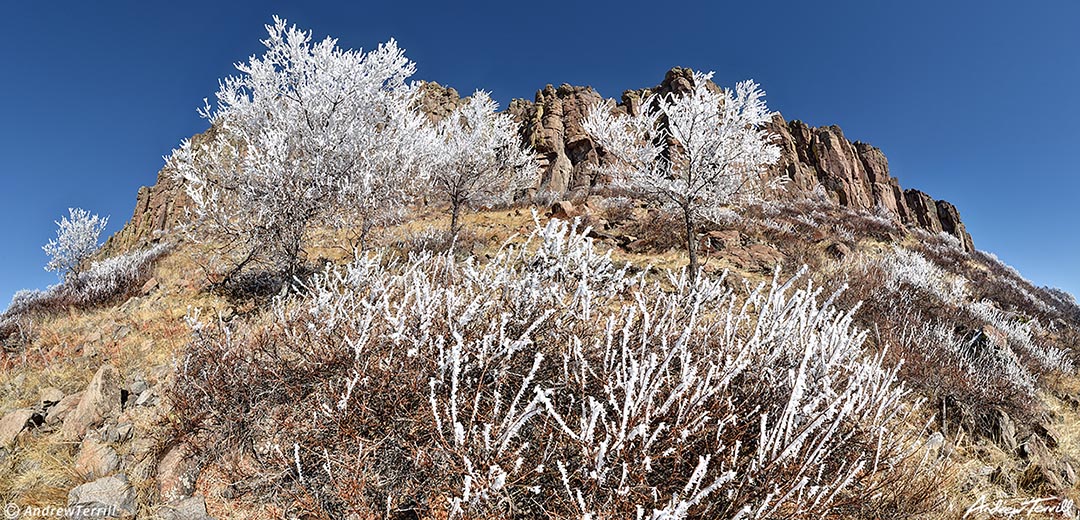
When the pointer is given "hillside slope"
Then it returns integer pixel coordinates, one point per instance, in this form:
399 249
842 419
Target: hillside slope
849 355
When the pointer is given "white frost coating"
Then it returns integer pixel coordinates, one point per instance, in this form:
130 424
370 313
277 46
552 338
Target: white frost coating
700 152
305 132
76 239
549 373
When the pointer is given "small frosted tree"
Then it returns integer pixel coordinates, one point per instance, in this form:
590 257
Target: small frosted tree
479 157
398 159
700 152
294 142
76 240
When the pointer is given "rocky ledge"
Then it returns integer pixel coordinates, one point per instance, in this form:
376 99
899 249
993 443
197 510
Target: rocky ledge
852 174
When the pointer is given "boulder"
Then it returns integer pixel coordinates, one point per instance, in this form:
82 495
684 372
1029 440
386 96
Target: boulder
193 508
62 408
1004 431
101 400
108 497
177 472
723 239
149 286
13 423
565 210
96 459
838 250
49 397
1045 471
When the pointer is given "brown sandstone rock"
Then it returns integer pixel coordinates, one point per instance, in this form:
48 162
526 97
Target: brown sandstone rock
565 210
949 217
100 401
177 472
13 424
49 397
438 101
551 124
62 408
923 210
96 459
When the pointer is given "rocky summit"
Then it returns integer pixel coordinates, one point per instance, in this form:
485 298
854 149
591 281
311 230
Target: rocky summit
852 174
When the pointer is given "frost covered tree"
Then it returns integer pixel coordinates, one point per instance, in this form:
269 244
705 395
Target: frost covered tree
479 157
397 160
699 152
296 137
76 239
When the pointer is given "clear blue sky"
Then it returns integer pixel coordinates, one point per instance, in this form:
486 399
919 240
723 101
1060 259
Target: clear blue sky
973 101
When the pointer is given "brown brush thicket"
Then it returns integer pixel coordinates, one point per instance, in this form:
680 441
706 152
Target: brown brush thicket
551 382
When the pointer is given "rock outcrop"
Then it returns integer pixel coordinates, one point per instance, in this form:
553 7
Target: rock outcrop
551 124
101 400
852 174
438 101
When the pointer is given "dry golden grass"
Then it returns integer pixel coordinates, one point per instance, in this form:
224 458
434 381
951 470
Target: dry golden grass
140 337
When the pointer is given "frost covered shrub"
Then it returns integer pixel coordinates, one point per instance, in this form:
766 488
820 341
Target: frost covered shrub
958 347
76 240
1019 335
1005 285
909 268
547 382
104 280
545 198
116 276
617 209
970 368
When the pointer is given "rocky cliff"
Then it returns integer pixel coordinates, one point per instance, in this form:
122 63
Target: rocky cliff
852 174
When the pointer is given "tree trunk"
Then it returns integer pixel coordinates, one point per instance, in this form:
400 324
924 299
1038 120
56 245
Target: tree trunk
365 228
455 210
691 244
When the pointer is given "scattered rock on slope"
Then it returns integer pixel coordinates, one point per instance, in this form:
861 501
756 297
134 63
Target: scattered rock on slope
100 401
96 459
13 424
103 498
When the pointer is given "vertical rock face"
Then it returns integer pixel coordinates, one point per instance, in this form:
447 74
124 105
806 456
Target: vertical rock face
855 174
949 217
924 210
158 208
551 124
438 101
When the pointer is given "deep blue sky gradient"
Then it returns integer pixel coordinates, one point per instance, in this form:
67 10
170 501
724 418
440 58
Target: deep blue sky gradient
975 102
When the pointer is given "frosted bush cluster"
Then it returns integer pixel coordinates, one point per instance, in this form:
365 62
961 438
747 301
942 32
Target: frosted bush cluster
1014 353
554 377
102 281
1020 335
107 278
906 267
982 368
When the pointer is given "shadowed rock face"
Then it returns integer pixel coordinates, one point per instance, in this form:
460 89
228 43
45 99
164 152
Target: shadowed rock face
551 124
852 174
